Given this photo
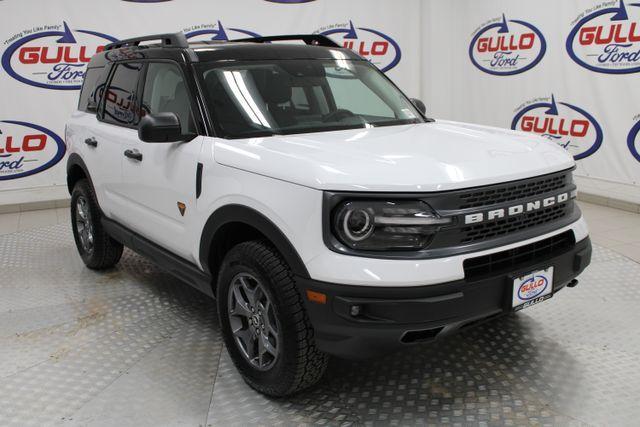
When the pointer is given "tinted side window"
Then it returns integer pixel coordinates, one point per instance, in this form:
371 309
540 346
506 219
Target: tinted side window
165 92
121 105
89 94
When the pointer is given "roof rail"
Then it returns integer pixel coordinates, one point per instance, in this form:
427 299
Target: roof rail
310 39
166 40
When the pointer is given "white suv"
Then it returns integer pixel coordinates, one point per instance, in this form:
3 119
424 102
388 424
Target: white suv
300 187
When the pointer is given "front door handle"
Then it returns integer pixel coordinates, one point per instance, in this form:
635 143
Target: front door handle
133 154
91 142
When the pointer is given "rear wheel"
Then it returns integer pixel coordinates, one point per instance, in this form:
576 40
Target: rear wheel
96 248
264 323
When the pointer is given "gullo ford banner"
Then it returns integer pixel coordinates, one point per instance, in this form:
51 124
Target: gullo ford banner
607 39
218 32
27 149
569 126
52 56
505 47
633 140
568 71
370 43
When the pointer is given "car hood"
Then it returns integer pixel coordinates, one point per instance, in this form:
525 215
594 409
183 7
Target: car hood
433 156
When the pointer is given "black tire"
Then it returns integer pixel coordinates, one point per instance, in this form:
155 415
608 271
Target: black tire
299 363
104 252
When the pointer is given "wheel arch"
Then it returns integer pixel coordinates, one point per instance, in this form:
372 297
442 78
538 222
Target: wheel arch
76 170
233 224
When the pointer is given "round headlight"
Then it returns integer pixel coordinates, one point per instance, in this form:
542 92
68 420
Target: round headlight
358 224
386 225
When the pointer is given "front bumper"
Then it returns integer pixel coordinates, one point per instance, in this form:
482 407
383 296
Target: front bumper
389 317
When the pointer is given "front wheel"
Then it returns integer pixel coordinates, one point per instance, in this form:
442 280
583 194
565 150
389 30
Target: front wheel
264 323
96 248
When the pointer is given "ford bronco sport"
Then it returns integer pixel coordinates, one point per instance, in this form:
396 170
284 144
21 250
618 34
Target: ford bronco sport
325 212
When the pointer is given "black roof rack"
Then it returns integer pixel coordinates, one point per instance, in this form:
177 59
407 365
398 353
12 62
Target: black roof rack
166 40
310 39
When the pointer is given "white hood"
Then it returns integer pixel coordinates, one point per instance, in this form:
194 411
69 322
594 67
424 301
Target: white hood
424 157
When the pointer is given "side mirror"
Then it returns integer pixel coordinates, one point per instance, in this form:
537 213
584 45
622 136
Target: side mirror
419 105
161 127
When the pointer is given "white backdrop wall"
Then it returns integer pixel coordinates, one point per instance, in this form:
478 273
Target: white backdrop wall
454 87
422 45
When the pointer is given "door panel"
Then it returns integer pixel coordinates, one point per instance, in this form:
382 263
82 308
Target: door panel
119 114
156 186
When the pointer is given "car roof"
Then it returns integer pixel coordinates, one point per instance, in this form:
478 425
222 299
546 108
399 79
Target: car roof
176 47
268 51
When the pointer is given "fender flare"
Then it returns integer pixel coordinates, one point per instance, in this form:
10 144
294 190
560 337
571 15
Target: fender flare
244 214
75 160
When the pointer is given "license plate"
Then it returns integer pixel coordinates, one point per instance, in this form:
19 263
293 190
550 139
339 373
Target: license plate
532 288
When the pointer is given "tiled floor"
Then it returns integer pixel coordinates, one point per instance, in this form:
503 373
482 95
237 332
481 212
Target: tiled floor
612 228
132 346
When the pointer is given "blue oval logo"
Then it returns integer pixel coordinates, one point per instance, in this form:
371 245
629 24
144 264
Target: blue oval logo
608 40
507 48
379 48
218 32
27 149
53 59
569 126
532 287
633 141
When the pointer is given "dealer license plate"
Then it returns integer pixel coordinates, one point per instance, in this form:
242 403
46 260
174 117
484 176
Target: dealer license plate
532 288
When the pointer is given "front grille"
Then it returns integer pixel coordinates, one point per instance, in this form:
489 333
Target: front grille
503 193
499 198
520 257
491 230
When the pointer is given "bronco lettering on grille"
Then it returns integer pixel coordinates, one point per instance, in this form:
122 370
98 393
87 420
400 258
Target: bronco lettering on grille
514 210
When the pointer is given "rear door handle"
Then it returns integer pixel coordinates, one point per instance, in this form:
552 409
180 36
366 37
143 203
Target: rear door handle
133 154
91 142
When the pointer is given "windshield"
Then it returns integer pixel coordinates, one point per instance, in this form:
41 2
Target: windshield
262 98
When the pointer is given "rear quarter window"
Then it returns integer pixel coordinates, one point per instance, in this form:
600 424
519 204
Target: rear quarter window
121 106
92 88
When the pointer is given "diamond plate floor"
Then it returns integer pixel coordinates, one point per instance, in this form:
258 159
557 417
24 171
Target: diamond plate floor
134 347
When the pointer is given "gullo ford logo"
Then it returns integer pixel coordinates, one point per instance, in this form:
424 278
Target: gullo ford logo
507 47
371 44
608 40
217 32
532 287
633 140
569 126
26 149
53 57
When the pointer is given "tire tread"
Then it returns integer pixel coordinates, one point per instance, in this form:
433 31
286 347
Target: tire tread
309 363
106 251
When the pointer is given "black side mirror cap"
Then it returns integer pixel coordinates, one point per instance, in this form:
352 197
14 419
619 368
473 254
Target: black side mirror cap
419 105
161 127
